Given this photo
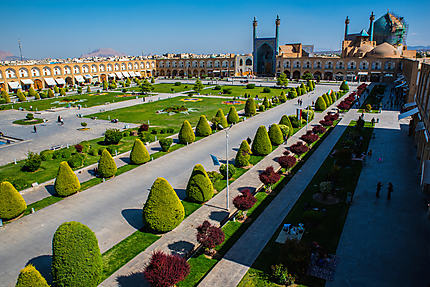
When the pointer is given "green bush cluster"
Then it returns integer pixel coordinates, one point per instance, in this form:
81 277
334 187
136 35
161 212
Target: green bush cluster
243 155
186 133
275 135
285 120
46 155
199 187
76 160
223 170
66 182
320 104
112 136
163 210
344 86
261 144
203 128
139 154
76 257
294 121
32 163
5 96
165 144
30 277
21 96
232 117
220 118
285 130
308 115
250 108
106 166
12 204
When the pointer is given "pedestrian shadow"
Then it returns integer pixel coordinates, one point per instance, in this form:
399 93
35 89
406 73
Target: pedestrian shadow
218 216
136 279
133 217
181 248
43 264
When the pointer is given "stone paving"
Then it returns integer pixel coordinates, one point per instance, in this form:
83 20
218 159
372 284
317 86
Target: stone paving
183 238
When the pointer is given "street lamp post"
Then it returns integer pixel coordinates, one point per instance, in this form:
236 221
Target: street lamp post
226 159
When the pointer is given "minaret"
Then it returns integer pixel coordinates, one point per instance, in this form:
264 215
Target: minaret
346 27
277 22
254 38
372 18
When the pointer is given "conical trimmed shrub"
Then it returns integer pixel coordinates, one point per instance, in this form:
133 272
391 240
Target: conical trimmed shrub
76 258
66 182
12 204
5 96
163 210
266 103
50 93
220 115
21 96
344 86
285 120
32 92
232 117
333 97
261 144
282 97
30 277
275 135
186 133
250 107
320 104
203 129
139 154
107 166
243 155
199 187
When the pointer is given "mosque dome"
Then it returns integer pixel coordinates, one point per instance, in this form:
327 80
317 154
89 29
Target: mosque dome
384 50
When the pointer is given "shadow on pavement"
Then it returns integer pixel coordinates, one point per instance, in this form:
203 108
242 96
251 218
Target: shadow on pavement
125 159
218 215
182 193
50 188
133 217
43 265
181 248
132 280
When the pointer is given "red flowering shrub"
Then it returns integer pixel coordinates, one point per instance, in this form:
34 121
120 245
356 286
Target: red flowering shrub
286 152
143 128
244 201
299 148
269 176
309 137
287 161
79 148
326 123
209 236
166 270
318 129
344 106
331 117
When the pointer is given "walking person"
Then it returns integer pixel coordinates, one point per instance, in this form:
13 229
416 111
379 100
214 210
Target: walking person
378 188
390 190
35 129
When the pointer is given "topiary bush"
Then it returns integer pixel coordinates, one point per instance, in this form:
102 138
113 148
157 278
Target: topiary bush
232 117
250 86
139 154
46 155
275 135
221 118
269 176
299 148
209 236
319 129
344 86
243 155
165 144
112 136
266 90
244 201
186 133
285 131
285 120
63 153
287 161
163 210
76 160
250 108
12 204
308 115
106 167
203 128
320 104
261 144
223 170
199 187
32 163
66 182
309 137
30 277
21 96
292 94
166 270
76 258
267 103
294 121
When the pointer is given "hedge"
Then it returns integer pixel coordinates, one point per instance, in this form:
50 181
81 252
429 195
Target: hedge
76 258
275 135
320 104
203 128
232 117
30 277
250 107
332 95
243 155
66 182
261 144
220 115
285 120
165 144
292 94
107 166
199 187
12 204
186 133
139 154
163 210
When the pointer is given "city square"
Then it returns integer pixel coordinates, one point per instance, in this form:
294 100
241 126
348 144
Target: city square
267 165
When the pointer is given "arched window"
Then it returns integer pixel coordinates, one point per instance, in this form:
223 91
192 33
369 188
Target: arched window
351 65
317 64
152 65
174 64
109 68
67 70
46 71
202 64
123 67
181 64
339 65
102 68
57 71
225 64
116 67
136 66
130 66
23 73
248 62
142 65
307 64
35 72
364 65
209 64
147 65
240 62
286 64
93 68
376 65
161 64
10 73
297 64
167 64
188 64
194 64
389 65
85 69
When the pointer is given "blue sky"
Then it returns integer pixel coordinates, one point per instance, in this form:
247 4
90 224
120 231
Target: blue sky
65 28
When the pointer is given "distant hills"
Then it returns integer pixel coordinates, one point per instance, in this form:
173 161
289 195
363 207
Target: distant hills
419 48
7 56
103 52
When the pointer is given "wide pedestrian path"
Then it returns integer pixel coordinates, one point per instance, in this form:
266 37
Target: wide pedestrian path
230 270
183 238
386 242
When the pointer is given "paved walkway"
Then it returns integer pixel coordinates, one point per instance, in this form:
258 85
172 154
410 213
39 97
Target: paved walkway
230 270
386 243
183 238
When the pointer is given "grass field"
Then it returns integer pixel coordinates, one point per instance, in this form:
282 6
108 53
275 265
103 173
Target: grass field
241 90
147 112
167 88
85 100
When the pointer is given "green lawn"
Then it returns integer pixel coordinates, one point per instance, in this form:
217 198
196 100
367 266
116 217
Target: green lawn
147 112
167 88
328 230
85 100
241 90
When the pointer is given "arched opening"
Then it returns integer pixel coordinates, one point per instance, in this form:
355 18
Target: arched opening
103 77
38 84
2 87
202 73
175 73
162 74
69 81
265 60
339 77
328 76
195 73
296 75
317 75
168 74
248 62
288 74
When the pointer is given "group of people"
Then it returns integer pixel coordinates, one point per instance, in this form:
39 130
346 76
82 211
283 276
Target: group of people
300 102
379 187
60 120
